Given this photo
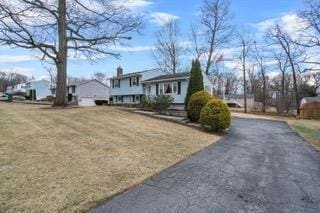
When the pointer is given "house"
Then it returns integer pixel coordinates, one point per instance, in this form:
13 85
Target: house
86 92
38 90
127 88
19 88
175 85
310 108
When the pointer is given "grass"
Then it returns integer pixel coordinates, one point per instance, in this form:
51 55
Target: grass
308 129
71 159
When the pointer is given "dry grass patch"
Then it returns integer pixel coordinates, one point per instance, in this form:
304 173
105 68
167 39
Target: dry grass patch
70 159
308 129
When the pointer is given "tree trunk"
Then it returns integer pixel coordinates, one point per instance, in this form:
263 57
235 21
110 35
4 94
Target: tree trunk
296 90
264 93
282 98
244 86
61 63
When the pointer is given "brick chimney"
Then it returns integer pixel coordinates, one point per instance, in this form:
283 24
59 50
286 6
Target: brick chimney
119 71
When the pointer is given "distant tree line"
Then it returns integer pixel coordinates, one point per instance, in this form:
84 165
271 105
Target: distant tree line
10 79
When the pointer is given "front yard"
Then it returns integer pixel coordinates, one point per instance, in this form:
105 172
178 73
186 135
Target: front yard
71 159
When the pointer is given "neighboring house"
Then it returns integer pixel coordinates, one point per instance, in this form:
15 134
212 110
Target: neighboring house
127 88
38 90
86 92
175 85
19 88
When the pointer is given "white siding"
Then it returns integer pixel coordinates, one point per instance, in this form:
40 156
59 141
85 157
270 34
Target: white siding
177 99
92 89
125 88
42 88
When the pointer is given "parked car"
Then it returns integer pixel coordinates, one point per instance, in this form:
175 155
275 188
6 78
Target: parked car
233 105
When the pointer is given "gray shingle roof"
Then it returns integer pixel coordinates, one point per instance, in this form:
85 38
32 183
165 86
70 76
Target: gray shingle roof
180 75
132 74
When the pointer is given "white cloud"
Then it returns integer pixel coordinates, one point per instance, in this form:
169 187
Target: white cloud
291 23
132 49
160 18
137 4
16 58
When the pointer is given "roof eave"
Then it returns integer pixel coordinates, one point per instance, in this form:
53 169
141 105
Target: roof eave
165 80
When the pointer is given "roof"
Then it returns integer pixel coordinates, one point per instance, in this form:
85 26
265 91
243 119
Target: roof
83 82
161 78
127 75
312 99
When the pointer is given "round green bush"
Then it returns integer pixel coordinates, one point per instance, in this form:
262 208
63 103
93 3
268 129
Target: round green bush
197 101
215 116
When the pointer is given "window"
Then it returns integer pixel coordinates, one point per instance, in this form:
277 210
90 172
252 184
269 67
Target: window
167 88
149 89
134 81
73 89
133 98
161 89
116 83
137 98
174 87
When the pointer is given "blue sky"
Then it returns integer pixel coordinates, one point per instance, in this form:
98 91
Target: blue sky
247 13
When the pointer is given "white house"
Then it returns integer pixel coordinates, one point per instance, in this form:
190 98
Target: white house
86 92
16 88
127 88
175 85
38 90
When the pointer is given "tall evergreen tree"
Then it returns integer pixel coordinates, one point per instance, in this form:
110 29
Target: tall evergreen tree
195 81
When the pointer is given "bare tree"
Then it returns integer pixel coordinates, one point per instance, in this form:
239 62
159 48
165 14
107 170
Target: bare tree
169 50
282 65
216 20
52 75
245 46
279 37
196 49
260 58
55 26
310 34
99 76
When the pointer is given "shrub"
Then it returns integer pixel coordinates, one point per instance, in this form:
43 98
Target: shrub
215 116
161 102
195 81
197 101
101 102
50 98
145 102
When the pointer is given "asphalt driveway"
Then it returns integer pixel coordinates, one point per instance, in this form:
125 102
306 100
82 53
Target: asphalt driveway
261 166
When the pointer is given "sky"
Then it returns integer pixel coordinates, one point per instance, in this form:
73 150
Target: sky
253 15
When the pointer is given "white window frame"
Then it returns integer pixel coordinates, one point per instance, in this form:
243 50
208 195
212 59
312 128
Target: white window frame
162 88
116 83
134 81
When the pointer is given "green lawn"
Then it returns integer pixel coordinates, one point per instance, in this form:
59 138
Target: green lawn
308 129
